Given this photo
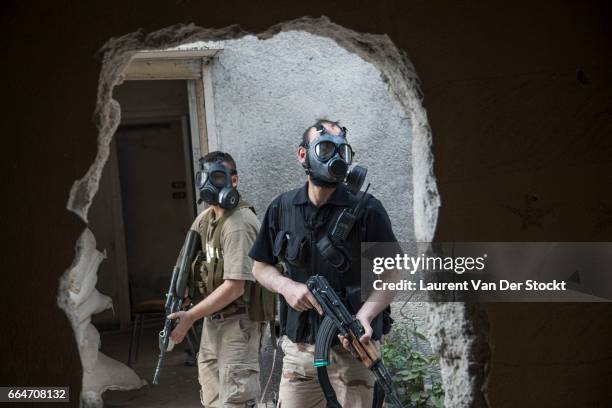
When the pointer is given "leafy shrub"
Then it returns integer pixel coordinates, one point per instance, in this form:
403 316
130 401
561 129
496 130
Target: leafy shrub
415 374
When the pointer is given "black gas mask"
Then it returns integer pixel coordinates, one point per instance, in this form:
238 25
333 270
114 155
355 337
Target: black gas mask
214 180
328 160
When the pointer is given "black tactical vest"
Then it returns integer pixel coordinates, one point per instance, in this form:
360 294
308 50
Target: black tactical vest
295 235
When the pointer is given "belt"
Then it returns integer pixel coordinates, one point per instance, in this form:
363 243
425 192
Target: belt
220 316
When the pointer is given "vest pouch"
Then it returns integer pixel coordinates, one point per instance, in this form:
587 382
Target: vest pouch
203 275
332 254
197 271
196 274
297 247
261 303
352 298
280 245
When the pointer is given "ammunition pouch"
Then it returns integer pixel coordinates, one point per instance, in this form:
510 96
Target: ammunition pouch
330 245
291 248
261 304
333 255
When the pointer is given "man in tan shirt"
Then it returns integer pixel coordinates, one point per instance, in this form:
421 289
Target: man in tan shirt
228 359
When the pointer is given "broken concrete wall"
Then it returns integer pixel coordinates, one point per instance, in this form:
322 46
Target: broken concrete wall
381 83
79 298
517 96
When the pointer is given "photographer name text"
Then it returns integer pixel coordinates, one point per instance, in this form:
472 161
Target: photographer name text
471 285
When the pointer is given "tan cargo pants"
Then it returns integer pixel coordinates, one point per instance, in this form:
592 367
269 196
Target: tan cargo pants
299 386
228 362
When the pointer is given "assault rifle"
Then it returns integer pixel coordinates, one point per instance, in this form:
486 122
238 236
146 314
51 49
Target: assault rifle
339 320
176 294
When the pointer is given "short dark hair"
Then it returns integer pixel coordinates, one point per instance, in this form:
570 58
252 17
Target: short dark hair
218 156
318 123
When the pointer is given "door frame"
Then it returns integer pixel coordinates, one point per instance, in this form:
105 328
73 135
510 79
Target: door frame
199 136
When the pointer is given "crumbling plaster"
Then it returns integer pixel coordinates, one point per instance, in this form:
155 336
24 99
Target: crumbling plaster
452 325
78 297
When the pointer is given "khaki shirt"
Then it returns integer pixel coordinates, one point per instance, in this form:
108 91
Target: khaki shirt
237 237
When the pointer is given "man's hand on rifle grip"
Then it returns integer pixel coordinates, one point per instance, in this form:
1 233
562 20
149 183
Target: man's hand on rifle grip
185 321
299 297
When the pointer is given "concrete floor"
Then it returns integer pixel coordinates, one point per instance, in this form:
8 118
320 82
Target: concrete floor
179 385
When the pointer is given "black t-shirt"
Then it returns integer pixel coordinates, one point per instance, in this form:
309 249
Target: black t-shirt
310 223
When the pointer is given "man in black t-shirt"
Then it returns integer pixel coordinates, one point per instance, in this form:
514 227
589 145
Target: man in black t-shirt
293 223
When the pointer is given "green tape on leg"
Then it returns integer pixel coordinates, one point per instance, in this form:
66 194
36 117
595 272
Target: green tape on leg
320 363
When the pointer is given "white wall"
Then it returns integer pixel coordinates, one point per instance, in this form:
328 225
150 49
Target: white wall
266 92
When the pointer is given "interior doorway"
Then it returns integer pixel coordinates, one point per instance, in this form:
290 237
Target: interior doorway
149 191
156 198
147 198
144 205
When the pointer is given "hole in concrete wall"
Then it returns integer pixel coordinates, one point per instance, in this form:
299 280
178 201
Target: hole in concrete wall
245 131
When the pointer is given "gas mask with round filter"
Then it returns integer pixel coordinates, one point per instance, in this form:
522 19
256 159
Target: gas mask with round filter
328 160
214 180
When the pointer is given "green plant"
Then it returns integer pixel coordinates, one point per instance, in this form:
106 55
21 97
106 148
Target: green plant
415 373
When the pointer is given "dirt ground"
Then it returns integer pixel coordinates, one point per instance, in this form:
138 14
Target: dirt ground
178 385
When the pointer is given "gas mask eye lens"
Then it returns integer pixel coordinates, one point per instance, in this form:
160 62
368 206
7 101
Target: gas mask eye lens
346 153
325 150
217 178
201 179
